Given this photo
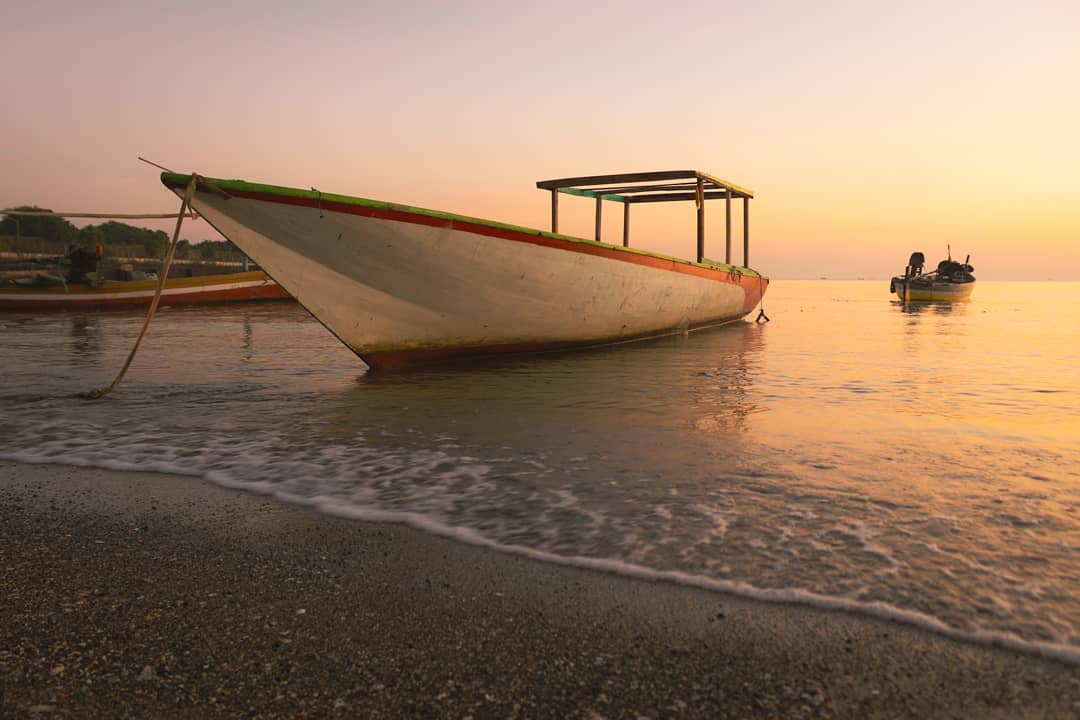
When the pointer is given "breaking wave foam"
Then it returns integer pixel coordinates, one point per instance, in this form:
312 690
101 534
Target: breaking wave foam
427 523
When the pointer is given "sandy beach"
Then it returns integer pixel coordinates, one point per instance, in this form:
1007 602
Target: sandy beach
140 595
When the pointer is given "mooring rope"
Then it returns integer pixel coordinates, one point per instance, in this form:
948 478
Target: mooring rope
762 318
106 216
185 205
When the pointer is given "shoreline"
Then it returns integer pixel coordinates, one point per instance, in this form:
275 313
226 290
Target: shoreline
882 612
138 593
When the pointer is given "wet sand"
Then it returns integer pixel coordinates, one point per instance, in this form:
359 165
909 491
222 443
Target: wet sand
131 594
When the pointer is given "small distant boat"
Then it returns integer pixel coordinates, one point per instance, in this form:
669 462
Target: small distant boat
950 281
402 285
230 287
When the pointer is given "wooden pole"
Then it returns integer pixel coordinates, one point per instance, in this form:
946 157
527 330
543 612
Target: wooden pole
599 205
626 224
727 226
554 211
746 232
701 219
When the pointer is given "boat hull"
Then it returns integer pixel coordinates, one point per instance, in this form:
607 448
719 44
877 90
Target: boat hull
232 287
402 285
933 291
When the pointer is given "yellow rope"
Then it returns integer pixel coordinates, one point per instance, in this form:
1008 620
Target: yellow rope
184 206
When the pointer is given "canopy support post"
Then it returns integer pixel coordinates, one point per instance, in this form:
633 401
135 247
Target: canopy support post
626 224
727 226
746 232
599 206
700 219
554 210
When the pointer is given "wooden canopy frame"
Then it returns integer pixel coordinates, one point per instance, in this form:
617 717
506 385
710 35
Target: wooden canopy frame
658 186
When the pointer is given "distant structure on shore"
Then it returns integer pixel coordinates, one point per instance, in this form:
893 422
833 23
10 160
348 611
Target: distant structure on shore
54 236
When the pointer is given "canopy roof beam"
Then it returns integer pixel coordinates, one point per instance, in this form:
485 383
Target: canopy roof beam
670 197
653 187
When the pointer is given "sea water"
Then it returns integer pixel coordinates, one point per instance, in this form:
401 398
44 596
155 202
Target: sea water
916 462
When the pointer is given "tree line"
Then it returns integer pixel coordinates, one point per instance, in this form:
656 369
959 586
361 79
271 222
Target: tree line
119 239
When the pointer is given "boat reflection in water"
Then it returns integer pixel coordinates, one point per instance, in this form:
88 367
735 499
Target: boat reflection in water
564 402
86 339
935 307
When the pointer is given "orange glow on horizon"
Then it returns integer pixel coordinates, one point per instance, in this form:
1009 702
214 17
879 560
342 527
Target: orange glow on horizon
865 133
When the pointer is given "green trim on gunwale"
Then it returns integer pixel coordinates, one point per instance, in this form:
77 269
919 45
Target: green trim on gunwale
181 180
590 194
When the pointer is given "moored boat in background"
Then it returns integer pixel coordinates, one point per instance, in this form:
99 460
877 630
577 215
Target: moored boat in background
950 281
54 294
401 285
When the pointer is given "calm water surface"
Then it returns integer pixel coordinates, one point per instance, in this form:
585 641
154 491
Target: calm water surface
917 462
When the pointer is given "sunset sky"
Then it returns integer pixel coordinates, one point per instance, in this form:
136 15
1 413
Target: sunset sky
867 130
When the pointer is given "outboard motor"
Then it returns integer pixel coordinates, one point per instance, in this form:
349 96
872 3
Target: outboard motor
916 263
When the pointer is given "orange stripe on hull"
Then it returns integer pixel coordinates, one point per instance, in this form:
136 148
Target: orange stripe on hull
755 288
533 238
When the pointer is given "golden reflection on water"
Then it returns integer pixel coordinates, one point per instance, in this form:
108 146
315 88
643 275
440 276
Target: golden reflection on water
724 397
846 358
840 360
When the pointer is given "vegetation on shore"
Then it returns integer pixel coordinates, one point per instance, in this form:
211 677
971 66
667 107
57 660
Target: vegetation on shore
54 235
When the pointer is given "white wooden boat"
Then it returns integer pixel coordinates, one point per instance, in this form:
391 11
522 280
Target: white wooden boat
400 285
951 281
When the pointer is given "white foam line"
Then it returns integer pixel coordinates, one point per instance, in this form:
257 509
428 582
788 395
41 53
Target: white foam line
883 611
880 610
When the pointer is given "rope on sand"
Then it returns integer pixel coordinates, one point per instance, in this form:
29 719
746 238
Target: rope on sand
185 205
